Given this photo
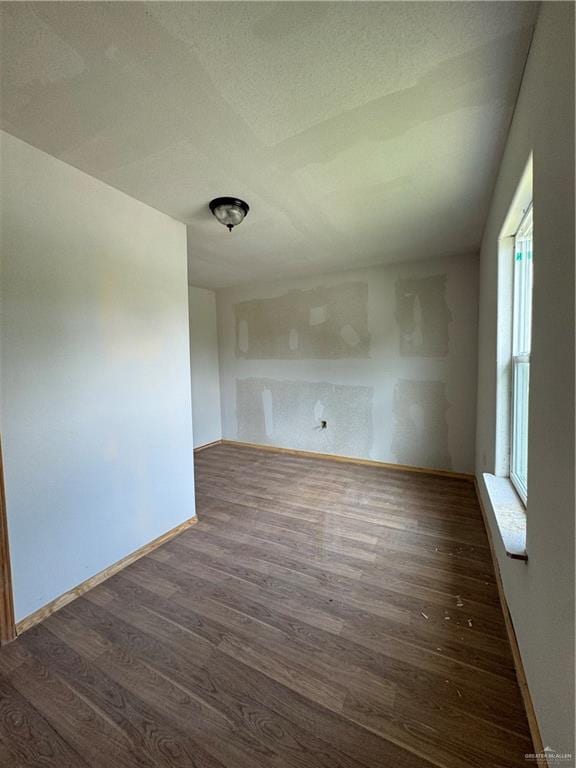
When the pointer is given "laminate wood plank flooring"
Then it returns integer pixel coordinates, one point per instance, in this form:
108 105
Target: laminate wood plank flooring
320 615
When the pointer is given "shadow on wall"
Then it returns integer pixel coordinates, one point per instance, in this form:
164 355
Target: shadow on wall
319 324
288 414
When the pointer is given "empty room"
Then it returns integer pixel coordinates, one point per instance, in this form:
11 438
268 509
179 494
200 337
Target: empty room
287 413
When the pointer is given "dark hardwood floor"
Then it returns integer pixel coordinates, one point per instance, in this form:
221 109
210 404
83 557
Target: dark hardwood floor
320 615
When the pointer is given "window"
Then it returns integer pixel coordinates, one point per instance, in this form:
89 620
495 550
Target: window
521 344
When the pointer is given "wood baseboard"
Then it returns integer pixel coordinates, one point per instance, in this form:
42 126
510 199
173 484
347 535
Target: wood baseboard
93 581
7 624
352 460
207 445
513 640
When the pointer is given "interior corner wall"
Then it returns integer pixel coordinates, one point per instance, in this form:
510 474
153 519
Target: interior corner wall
95 374
205 375
386 356
540 593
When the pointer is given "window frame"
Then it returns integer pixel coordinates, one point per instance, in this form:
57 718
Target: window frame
522 289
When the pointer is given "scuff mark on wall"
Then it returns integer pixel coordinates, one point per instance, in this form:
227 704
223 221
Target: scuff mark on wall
423 316
287 413
420 426
321 323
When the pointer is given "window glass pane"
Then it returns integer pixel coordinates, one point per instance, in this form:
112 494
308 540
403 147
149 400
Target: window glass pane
523 288
519 464
521 344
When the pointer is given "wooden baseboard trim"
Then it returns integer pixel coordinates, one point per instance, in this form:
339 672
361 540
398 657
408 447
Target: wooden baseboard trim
93 581
207 445
513 640
352 460
7 624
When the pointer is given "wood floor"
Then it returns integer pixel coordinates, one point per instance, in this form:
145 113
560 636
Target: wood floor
320 615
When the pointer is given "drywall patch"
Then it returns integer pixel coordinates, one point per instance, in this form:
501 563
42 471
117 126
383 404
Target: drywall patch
243 340
293 339
318 315
349 335
422 316
321 323
267 405
287 413
420 427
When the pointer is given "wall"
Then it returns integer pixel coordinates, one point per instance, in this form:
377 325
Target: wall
386 356
540 594
95 409
204 364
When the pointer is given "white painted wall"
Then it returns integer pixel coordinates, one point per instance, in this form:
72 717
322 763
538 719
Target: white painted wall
376 376
540 594
95 409
204 366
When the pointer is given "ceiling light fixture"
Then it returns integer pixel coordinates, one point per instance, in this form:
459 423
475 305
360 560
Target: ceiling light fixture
229 211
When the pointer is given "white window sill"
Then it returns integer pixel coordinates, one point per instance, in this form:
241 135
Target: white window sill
509 513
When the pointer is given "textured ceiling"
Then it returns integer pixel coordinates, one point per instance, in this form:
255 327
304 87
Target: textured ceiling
359 133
